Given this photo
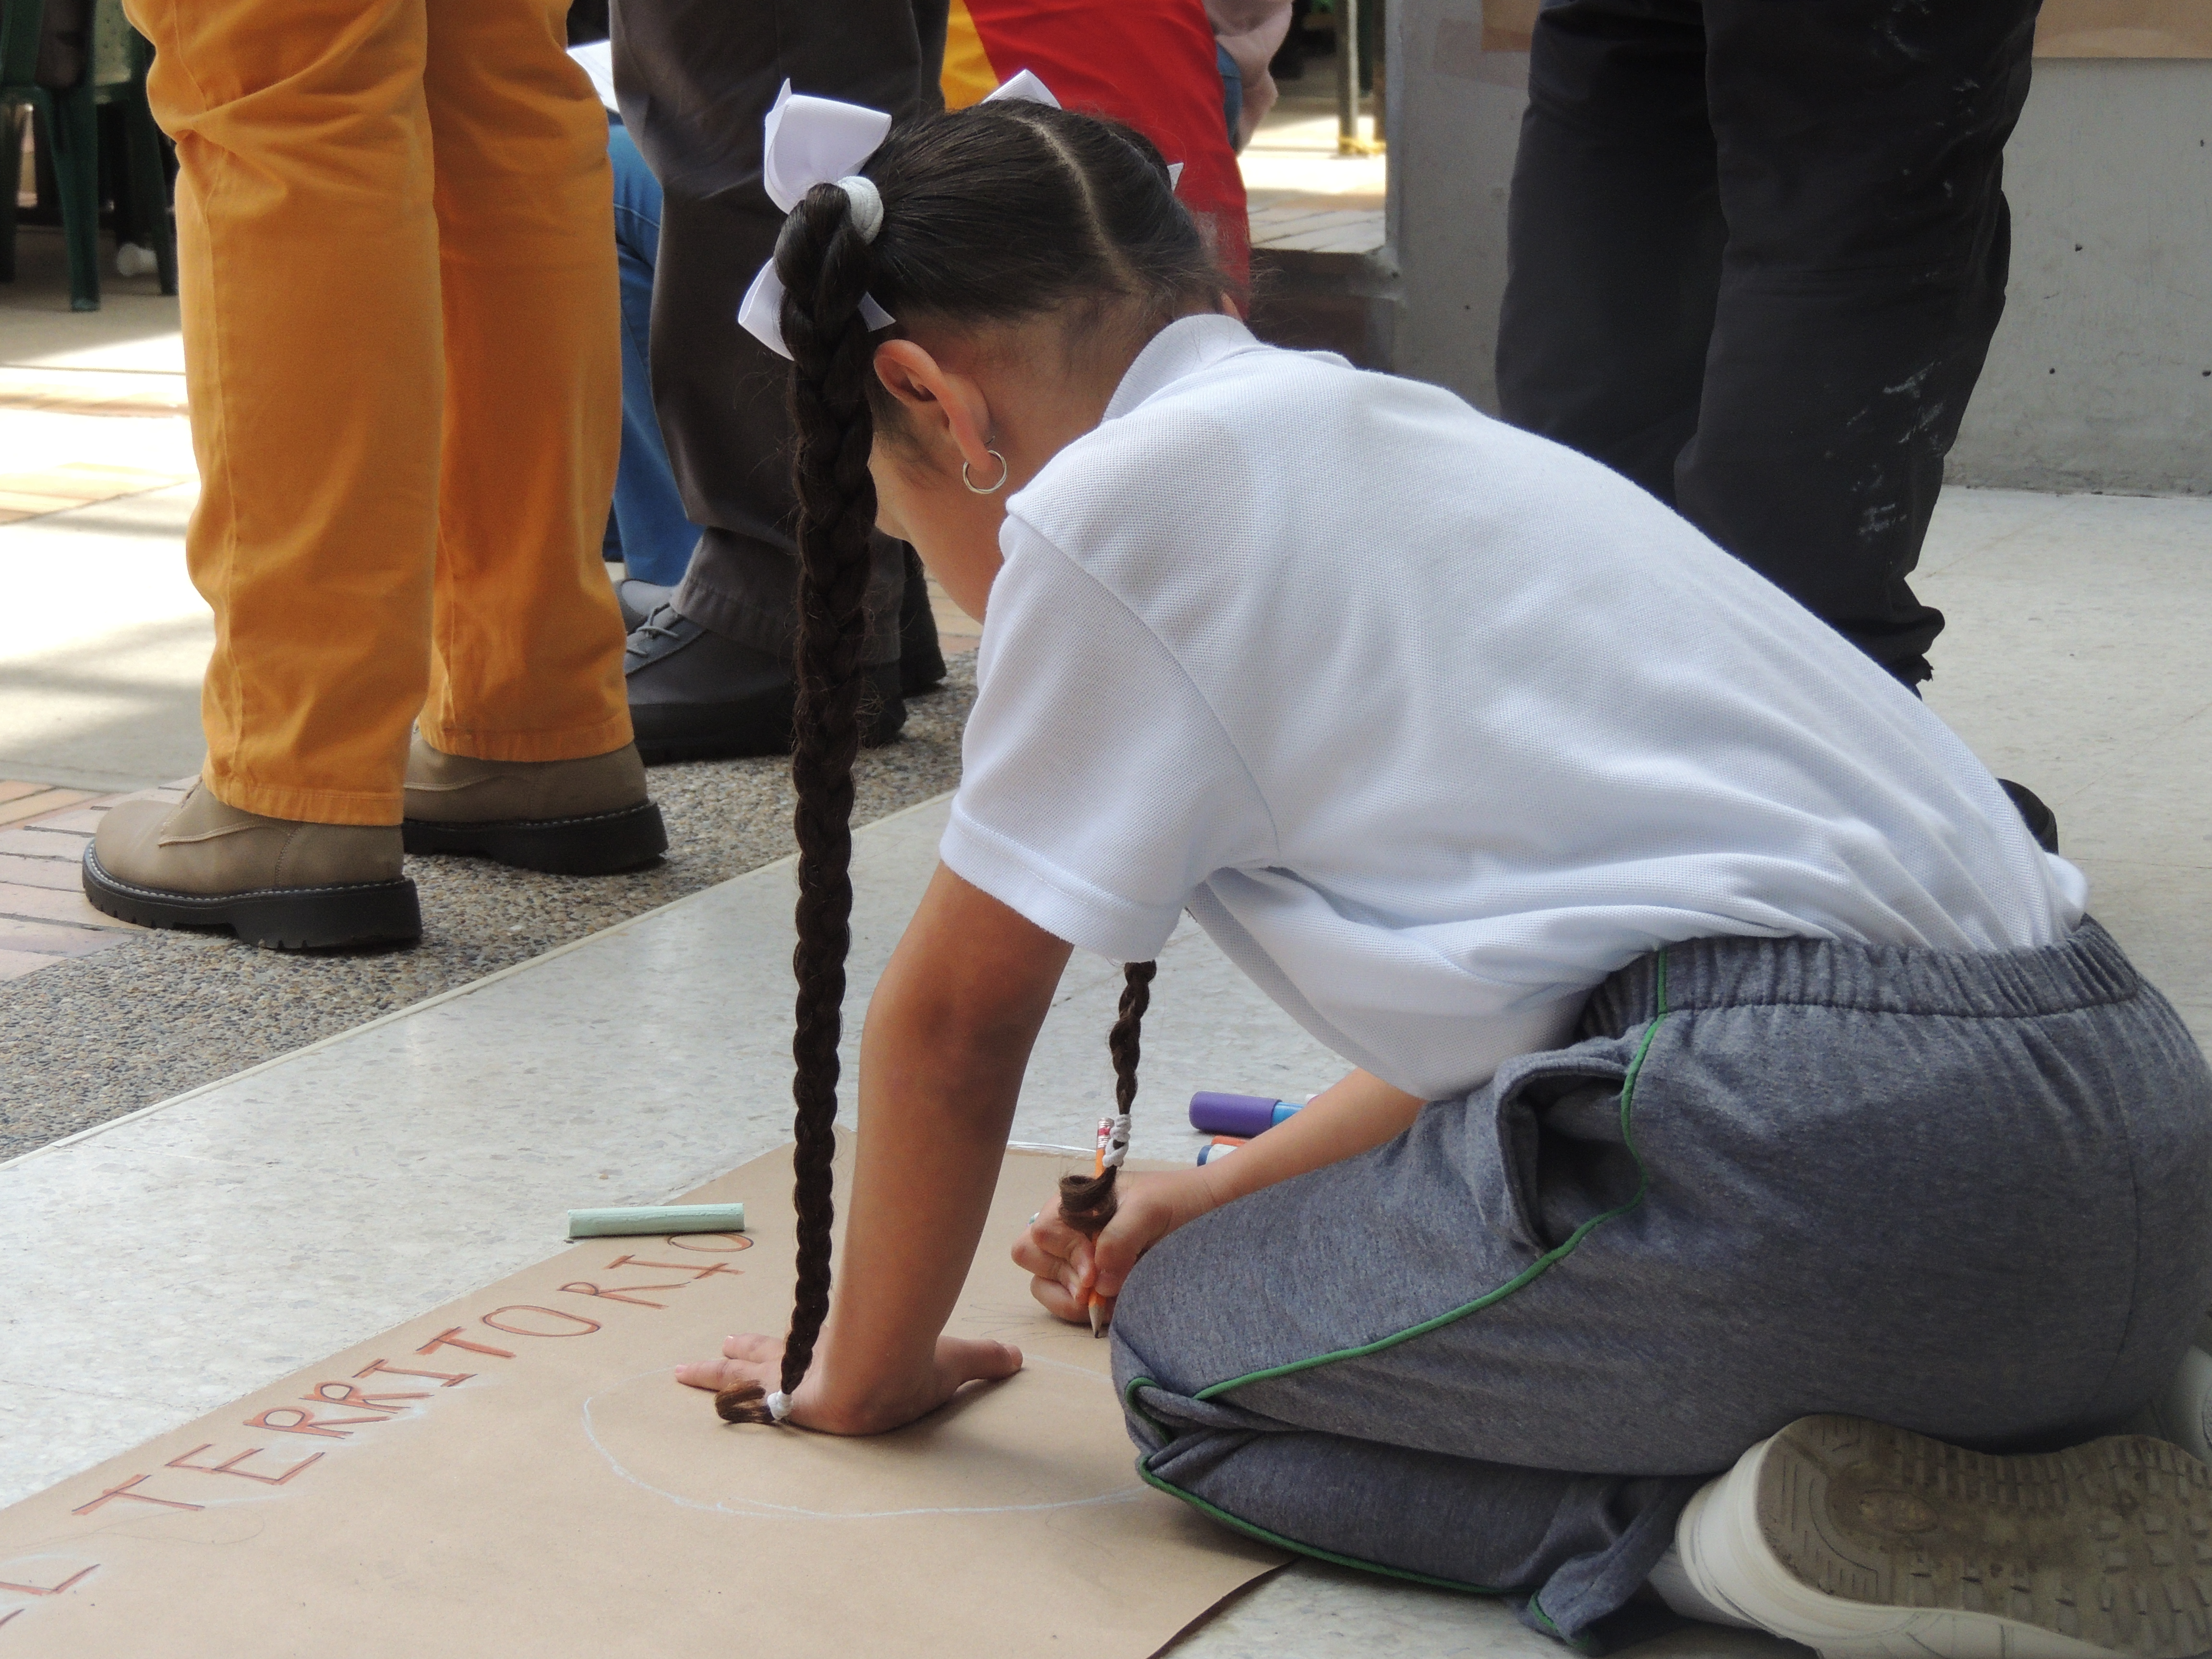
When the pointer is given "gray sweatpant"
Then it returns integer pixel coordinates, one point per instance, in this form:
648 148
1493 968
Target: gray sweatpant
1964 1194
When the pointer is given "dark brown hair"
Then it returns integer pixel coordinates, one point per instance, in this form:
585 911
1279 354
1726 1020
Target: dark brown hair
999 212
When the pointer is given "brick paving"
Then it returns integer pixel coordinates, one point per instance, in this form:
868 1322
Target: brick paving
43 918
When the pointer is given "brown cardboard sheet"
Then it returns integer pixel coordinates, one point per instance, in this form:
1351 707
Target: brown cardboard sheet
2124 28
518 1472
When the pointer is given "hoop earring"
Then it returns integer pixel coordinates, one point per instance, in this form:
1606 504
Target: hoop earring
994 489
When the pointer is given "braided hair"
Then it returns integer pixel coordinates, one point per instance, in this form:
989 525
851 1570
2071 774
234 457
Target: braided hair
995 213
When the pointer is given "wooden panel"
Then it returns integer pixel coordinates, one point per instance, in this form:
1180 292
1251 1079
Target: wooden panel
2124 28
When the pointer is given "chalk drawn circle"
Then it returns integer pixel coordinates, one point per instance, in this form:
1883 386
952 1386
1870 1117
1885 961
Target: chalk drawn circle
681 1241
1048 1439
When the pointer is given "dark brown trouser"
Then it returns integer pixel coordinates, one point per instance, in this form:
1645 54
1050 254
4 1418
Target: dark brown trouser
694 78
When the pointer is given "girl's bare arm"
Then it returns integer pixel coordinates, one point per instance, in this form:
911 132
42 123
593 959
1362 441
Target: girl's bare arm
948 1035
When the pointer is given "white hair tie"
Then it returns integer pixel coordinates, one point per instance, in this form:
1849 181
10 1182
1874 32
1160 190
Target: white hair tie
865 203
779 1404
1117 1142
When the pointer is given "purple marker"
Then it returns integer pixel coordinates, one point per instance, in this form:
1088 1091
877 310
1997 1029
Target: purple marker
1237 1114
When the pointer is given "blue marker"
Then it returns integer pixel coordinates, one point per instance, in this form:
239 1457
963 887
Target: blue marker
1237 1114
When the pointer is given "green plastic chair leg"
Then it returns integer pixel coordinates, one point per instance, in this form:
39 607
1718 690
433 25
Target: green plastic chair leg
11 137
75 127
150 196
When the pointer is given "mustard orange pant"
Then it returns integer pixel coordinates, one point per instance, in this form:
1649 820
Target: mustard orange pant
400 317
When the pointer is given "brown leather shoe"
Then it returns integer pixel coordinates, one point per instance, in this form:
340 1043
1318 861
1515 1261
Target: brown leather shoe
296 886
572 817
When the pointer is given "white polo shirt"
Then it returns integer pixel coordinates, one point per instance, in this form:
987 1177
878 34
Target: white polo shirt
1432 724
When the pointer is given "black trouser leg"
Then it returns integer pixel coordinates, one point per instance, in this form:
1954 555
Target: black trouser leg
1613 236
1862 160
1859 153
694 78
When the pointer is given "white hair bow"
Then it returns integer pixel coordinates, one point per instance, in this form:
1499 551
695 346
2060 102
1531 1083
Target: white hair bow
819 141
810 141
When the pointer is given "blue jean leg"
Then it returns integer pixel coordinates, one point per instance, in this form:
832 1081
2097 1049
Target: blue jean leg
657 537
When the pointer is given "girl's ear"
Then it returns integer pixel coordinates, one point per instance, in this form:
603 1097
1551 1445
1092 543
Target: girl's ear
914 378
941 402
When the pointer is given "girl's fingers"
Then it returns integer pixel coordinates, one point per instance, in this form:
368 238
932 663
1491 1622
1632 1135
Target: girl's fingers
1058 1300
1117 1253
751 1357
1046 1240
967 1360
721 1374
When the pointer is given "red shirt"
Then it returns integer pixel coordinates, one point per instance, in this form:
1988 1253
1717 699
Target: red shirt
1148 63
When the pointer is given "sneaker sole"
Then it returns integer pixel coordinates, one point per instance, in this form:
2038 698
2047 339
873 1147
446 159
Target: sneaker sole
597 844
2106 1547
287 918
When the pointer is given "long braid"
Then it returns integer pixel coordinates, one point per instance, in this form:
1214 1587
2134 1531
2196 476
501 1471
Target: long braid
1087 1203
1002 212
824 265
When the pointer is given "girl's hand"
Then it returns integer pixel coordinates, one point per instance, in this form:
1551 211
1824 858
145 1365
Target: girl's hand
1066 1267
957 1362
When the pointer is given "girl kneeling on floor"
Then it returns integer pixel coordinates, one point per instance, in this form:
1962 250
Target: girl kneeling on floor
1741 1095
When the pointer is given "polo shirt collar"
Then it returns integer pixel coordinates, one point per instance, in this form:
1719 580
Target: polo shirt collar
1183 347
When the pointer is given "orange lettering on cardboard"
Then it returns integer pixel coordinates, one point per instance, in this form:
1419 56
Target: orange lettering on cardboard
492 1320
51 1590
585 1287
697 1270
330 1428
454 1339
124 1490
230 1465
350 1397
445 1379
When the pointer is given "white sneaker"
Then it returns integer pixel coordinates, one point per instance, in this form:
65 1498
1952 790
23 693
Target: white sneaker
2182 1411
1856 1539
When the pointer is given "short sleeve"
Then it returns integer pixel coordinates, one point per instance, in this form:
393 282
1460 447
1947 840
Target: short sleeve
1097 788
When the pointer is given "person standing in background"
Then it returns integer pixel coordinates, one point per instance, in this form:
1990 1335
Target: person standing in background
1152 64
401 348
648 530
1755 256
710 672
1250 32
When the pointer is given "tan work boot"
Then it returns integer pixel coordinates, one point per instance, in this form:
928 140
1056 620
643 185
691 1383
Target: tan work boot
296 886
572 817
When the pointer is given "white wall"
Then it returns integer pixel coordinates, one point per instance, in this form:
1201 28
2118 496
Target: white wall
2100 376
2097 379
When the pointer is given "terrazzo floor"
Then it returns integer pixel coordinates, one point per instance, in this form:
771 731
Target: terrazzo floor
163 1012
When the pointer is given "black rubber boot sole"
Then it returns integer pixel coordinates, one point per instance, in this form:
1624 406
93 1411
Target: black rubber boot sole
288 918
2107 1545
760 726
598 844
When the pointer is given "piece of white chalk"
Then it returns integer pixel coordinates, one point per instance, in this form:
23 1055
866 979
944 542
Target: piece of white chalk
657 1219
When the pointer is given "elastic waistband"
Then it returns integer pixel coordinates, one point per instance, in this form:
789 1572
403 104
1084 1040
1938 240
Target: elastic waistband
2088 970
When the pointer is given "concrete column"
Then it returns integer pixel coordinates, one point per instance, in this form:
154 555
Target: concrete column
1456 93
